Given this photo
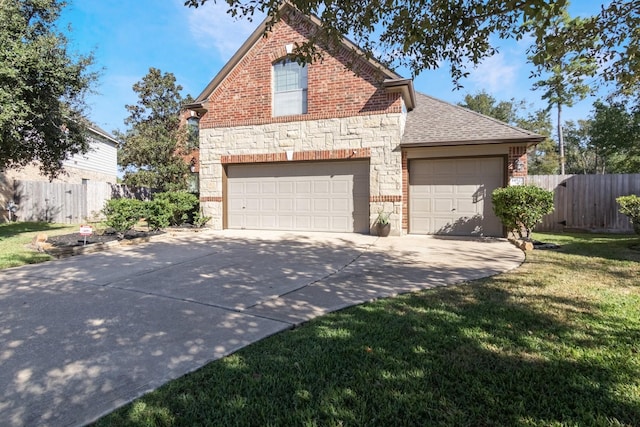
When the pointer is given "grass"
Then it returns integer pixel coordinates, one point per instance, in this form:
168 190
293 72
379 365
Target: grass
16 236
554 343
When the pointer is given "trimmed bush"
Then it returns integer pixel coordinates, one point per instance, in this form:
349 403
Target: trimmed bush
521 208
181 205
158 214
123 214
630 206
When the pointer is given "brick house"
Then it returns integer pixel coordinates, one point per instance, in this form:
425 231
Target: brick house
327 146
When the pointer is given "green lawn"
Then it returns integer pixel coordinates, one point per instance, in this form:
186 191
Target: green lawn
16 236
556 342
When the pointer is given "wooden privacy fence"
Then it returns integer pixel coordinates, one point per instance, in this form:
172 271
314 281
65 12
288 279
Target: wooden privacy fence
587 202
67 203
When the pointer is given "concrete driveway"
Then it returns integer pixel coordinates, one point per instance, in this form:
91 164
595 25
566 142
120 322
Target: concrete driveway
81 336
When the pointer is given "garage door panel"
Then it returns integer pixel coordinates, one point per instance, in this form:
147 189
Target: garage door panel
286 221
269 205
302 205
339 205
321 223
303 187
439 188
268 188
250 205
453 196
311 196
322 205
302 223
285 205
253 220
285 187
441 205
321 188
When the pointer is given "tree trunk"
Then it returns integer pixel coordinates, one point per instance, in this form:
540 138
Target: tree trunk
560 139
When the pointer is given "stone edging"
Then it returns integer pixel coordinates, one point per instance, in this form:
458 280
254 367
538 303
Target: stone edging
525 245
59 253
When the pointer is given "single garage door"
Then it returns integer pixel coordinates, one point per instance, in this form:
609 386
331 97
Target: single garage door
453 196
302 196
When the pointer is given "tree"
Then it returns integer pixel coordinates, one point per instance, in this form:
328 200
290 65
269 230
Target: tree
582 156
42 88
483 103
542 158
615 133
153 147
566 72
422 34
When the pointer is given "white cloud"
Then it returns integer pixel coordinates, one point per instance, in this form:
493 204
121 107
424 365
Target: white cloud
213 28
495 74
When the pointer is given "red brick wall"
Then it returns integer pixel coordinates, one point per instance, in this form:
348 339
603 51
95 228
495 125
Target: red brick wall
517 153
244 96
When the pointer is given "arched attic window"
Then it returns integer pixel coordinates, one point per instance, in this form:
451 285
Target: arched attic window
289 88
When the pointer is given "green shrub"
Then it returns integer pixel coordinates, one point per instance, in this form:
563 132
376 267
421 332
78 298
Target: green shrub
521 208
630 206
158 214
123 214
182 205
199 220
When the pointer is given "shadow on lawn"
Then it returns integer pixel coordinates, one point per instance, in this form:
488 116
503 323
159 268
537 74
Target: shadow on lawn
607 246
15 228
465 355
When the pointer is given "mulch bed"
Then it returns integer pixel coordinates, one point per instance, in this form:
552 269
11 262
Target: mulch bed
75 239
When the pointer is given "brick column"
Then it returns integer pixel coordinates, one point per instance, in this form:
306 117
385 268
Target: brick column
517 157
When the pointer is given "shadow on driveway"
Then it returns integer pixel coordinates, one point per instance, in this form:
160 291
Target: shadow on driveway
82 336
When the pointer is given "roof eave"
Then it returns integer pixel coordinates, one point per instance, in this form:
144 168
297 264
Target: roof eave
405 88
529 141
195 108
104 135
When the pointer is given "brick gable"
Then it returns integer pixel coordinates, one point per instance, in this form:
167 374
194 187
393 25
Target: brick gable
244 97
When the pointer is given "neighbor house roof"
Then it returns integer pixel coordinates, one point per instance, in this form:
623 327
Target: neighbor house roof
392 81
434 123
99 131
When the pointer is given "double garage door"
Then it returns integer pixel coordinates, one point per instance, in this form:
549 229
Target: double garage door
304 196
453 196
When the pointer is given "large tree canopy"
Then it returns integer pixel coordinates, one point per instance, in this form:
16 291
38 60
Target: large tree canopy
483 103
615 134
42 87
153 147
421 34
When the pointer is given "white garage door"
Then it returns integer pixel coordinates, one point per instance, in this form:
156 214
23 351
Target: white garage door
453 196
303 196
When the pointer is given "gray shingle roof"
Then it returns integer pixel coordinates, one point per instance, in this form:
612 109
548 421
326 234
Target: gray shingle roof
435 123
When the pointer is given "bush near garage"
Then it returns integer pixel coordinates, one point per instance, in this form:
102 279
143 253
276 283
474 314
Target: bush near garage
630 206
182 205
123 214
158 214
521 208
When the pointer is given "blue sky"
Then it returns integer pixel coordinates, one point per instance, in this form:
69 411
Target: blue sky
130 37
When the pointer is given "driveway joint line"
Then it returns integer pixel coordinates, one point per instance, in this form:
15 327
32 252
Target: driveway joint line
333 273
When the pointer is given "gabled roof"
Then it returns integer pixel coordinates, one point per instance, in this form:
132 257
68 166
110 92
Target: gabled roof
434 123
392 80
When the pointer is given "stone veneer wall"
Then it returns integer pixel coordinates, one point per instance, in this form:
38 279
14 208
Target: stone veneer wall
377 135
